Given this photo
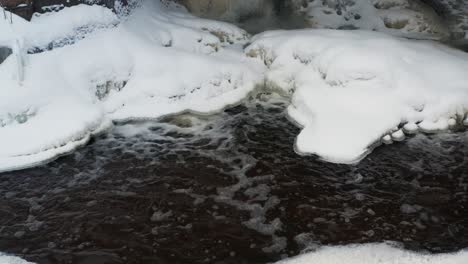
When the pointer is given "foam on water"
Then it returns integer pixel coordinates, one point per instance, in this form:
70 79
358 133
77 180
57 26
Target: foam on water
231 187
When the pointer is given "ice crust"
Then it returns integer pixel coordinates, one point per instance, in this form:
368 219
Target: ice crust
374 254
350 88
158 61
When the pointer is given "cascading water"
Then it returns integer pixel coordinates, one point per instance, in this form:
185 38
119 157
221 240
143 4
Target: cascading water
228 9
253 15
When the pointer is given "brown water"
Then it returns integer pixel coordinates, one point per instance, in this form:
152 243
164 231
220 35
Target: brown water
229 188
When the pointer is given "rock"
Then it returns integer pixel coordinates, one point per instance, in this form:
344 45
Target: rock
228 9
22 8
399 17
5 52
26 8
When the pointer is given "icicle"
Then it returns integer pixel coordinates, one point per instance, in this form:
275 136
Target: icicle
18 50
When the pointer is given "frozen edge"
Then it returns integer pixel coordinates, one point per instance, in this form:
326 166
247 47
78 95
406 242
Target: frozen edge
372 146
51 154
461 125
251 91
267 55
369 149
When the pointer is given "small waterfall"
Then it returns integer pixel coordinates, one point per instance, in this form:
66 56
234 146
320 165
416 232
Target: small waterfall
253 15
230 10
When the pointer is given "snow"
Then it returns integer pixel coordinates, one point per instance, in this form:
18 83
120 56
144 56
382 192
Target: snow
88 67
398 17
374 254
120 69
351 88
6 259
45 28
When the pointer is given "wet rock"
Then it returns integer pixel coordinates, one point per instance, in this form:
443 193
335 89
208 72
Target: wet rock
228 9
5 52
22 8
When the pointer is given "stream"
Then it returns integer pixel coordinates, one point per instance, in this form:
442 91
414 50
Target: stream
229 188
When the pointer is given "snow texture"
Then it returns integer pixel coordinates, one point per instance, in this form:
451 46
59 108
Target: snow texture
158 61
77 70
374 254
410 18
351 88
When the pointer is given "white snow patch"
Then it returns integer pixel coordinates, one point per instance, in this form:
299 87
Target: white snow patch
158 61
353 87
374 254
398 17
48 27
7 259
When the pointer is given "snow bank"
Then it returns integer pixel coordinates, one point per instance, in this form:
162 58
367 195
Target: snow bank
6 259
353 87
46 28
160 60
374 254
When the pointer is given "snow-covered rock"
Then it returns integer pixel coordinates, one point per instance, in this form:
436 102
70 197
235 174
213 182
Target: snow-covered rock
374 254
411 18
160 60
350 88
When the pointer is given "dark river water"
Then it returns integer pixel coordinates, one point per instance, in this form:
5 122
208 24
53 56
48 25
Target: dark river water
229 188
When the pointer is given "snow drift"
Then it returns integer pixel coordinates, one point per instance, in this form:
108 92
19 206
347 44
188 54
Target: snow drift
374 254
159 61
350 88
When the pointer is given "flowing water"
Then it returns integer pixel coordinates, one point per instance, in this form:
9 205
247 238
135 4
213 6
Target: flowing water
229 188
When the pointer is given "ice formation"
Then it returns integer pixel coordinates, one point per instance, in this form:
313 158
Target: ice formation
350 88
165 61
374 254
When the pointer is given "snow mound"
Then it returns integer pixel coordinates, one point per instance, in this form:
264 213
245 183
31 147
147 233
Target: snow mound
45 29
6 259
353 87
398 17
374 254
158 61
